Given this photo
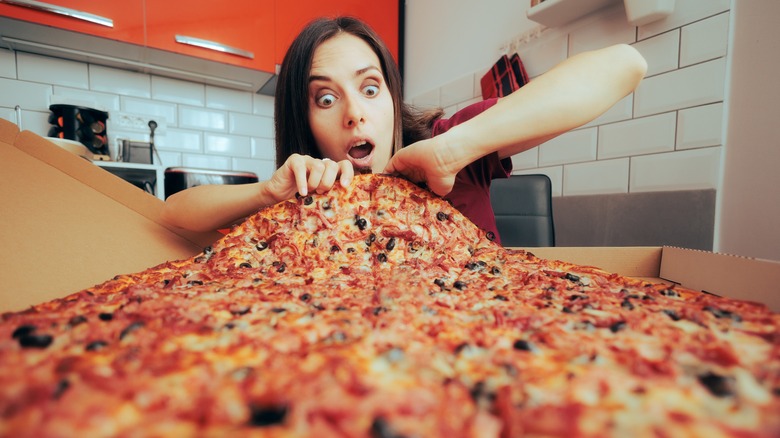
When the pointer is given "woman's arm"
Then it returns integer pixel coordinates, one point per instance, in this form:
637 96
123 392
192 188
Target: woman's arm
569 95
210 207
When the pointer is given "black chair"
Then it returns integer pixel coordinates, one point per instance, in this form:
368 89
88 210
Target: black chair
523 208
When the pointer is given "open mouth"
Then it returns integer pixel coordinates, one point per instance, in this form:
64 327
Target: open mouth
361 151
361 155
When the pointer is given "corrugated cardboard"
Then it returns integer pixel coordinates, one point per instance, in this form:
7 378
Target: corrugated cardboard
723 274
67 225
641 261
719 274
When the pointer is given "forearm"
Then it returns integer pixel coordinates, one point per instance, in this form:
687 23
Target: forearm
210 207
571 94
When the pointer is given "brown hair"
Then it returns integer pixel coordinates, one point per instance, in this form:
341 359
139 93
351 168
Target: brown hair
291 104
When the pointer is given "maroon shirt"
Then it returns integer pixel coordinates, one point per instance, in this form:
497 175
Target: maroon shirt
471 192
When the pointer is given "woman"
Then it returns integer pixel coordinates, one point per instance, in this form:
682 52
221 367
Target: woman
339 109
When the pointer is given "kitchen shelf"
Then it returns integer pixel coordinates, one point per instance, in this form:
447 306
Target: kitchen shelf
554 13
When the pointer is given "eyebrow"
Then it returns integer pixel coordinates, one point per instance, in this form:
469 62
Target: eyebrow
358 72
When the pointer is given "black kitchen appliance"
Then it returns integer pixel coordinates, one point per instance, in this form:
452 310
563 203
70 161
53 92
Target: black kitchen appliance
180 178
84 125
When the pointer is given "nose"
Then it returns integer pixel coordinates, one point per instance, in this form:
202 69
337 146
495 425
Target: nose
354 112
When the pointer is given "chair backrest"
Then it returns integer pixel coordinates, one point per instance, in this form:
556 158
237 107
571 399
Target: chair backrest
523 208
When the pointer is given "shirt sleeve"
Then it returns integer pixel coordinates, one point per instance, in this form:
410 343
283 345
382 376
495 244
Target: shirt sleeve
471 191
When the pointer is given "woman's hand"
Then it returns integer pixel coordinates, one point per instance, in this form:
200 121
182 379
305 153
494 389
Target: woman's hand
428 161
303 174
213 206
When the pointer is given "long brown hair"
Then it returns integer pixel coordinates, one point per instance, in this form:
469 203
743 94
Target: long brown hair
291 103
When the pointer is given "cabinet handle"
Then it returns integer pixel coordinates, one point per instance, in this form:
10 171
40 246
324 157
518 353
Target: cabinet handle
211 45
73 13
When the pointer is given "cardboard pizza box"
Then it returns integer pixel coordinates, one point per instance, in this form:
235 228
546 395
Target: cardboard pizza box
66 224
726 275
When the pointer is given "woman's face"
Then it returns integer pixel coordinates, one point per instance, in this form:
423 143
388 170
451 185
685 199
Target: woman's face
350 106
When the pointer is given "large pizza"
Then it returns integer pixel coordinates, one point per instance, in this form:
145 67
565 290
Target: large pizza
379 310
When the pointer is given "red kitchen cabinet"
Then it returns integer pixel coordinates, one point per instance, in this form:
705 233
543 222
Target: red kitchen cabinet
226 44
122 21
240 32
292 16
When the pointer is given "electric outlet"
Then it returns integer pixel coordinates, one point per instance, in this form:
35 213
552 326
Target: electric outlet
122 121
131 121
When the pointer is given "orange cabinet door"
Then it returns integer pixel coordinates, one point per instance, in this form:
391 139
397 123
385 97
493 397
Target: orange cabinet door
238 33
121 21
292 16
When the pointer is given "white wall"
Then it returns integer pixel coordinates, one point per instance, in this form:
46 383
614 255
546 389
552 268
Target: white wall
705 116
665 136
446 39
749 204
202 126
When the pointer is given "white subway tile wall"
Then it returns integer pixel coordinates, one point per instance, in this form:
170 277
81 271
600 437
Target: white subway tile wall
685 13
200 125
102 101
178 91
700 126
262 105
526 160
28 95
662 52
641 136
699 84
202 118
428 100
666 136
596 177
7 64
456 91
571 147
247 124
116 81
52 71
608 28
704 40
688 170
233 100
544 53
231 145
165 110
622 110
263 149
8 114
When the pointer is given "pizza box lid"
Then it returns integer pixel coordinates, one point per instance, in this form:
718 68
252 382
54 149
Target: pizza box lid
70 225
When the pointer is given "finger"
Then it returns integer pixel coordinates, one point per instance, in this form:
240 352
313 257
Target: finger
329 174
390 167
394 166
299 170
347 173
316 169
397 166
